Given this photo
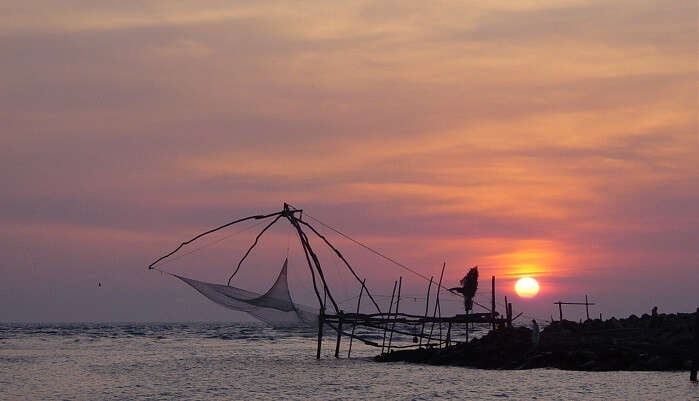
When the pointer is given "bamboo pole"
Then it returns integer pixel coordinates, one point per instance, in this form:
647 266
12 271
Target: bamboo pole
339 255
354 322
560 310
393 326
509 314
321 318
339 334
390 306
427 308
325 297
316 262
587 308
449 334
439 312
306 252
695 360
257 239
436 305
492 301
258 217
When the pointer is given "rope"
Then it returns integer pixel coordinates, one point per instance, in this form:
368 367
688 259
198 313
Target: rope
388 258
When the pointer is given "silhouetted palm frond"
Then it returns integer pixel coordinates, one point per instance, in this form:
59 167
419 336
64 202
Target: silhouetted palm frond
469 285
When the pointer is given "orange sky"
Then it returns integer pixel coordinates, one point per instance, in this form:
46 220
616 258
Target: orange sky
551 138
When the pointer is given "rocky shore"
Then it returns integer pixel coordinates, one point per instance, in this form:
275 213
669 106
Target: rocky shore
658 343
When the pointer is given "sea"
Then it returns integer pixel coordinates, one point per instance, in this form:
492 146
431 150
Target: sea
233 361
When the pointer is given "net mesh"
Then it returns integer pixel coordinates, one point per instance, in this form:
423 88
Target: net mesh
274 307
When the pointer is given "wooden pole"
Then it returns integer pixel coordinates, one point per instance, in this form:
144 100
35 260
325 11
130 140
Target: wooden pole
560 310
436 305
325 296
492 302
467 329
354 322
390 306
587 308
449 334
310 254
427 308
509 315
339 334
393 326
321 320
439 314
695 360
507 311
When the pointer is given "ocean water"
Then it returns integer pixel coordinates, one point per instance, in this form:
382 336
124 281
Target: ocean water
211 361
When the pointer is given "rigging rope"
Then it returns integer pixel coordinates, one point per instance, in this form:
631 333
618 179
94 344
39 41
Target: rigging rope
388 258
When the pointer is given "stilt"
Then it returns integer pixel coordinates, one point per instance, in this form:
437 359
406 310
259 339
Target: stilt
390 306
321 321
339 334
509 315
449 334
354 322
390 338
436 304
492 302
439 313
587 308
427 308
560 310
695 360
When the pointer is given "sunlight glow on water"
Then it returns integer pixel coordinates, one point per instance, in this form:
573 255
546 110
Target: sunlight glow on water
204 361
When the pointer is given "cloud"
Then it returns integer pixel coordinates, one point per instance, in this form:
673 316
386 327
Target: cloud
550 137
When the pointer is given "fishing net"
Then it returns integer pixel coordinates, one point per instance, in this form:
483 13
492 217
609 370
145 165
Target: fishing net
274 307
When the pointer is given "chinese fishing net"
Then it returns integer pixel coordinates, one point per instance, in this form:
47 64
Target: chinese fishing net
274 307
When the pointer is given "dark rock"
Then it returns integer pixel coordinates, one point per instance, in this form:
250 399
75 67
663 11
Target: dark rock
615 344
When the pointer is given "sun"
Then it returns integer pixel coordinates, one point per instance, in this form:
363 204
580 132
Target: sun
526 287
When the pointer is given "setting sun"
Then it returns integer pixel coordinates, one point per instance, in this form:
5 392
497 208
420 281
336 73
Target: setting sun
527 287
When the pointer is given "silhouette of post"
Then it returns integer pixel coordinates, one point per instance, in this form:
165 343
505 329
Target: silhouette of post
436 306
695 360
321 318
509 315
492 302
449 334
388 317
560 310
427 308
339 334
393 326
354 322
587 308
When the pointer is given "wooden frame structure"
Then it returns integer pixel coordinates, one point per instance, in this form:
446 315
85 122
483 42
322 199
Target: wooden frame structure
390 322
586 303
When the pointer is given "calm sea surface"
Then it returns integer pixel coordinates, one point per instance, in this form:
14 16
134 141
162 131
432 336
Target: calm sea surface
208 361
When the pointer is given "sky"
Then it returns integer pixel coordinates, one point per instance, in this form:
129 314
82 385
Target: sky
551 139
